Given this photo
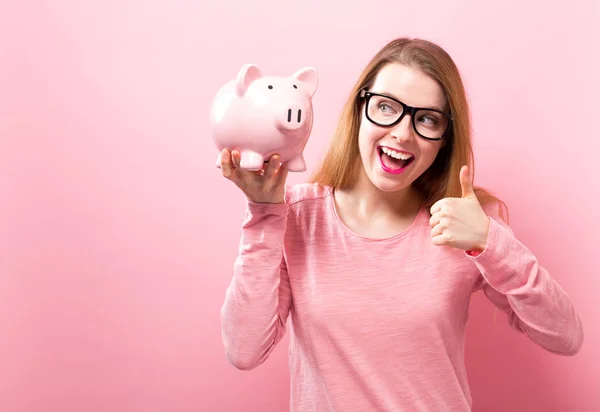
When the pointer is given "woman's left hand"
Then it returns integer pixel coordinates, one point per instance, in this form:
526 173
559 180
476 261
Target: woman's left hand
461 222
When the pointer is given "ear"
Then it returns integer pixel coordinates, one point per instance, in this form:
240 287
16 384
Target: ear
247 74
308 76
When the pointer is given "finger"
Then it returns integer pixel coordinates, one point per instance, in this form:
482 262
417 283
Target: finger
442 237
281 174
440 240
226 164
437 230
223 157
465 182
235 158
272 166
437 207
435 219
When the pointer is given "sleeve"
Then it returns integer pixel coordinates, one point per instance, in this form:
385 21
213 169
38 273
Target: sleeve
515 282
258 299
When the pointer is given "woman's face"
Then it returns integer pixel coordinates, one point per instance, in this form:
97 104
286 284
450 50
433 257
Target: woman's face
394 157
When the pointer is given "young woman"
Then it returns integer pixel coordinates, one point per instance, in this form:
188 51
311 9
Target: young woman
376 259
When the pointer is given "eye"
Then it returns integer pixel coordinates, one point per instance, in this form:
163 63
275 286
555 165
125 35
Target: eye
295 87
270 87
386 108
431 120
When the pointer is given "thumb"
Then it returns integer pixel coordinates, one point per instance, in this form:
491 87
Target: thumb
465 182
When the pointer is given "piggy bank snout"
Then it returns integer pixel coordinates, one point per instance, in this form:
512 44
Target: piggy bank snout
292 116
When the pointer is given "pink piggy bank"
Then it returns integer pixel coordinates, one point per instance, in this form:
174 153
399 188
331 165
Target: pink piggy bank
264 115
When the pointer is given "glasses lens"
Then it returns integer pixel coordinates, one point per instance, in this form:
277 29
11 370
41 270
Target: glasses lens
383 110
430 124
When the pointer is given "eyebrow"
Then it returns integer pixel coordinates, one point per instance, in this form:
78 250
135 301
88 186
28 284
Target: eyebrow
433 106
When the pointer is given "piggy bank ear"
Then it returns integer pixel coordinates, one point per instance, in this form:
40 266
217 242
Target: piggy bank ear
308 76
247 74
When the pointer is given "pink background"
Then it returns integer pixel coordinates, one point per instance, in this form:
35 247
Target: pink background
113 259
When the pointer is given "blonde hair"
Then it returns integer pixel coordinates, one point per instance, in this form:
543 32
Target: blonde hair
339 168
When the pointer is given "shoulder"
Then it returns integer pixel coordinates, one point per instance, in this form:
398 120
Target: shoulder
308 204
494 207
305 193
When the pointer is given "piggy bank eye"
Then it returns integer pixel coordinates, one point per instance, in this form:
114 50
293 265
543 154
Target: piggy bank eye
295 87
270 87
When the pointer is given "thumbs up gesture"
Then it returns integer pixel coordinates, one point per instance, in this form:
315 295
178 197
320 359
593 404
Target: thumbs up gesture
460 222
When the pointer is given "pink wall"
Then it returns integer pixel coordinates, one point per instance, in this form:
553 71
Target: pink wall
113 264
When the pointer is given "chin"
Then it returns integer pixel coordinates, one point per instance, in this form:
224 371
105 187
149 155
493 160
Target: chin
386 182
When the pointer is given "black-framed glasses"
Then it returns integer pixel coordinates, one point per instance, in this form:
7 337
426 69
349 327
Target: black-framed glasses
386 111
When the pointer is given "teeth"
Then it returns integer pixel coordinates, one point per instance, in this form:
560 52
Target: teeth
394 154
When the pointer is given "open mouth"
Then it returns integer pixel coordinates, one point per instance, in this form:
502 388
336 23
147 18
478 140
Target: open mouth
393 161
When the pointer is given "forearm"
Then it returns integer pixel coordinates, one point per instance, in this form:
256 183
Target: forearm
538 306
256 303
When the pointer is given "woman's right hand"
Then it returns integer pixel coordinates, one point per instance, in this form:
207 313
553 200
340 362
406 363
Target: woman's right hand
264 186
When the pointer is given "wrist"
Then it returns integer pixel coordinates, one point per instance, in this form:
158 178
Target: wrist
266 201
480 246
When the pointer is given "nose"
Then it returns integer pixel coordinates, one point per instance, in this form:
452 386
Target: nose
403 131
291 116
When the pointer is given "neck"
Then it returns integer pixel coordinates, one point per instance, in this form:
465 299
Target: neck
368 200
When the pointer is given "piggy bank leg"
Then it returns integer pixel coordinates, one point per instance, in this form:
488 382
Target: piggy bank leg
251 161
296 164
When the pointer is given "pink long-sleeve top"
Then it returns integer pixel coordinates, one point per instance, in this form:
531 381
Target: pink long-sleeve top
377 324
